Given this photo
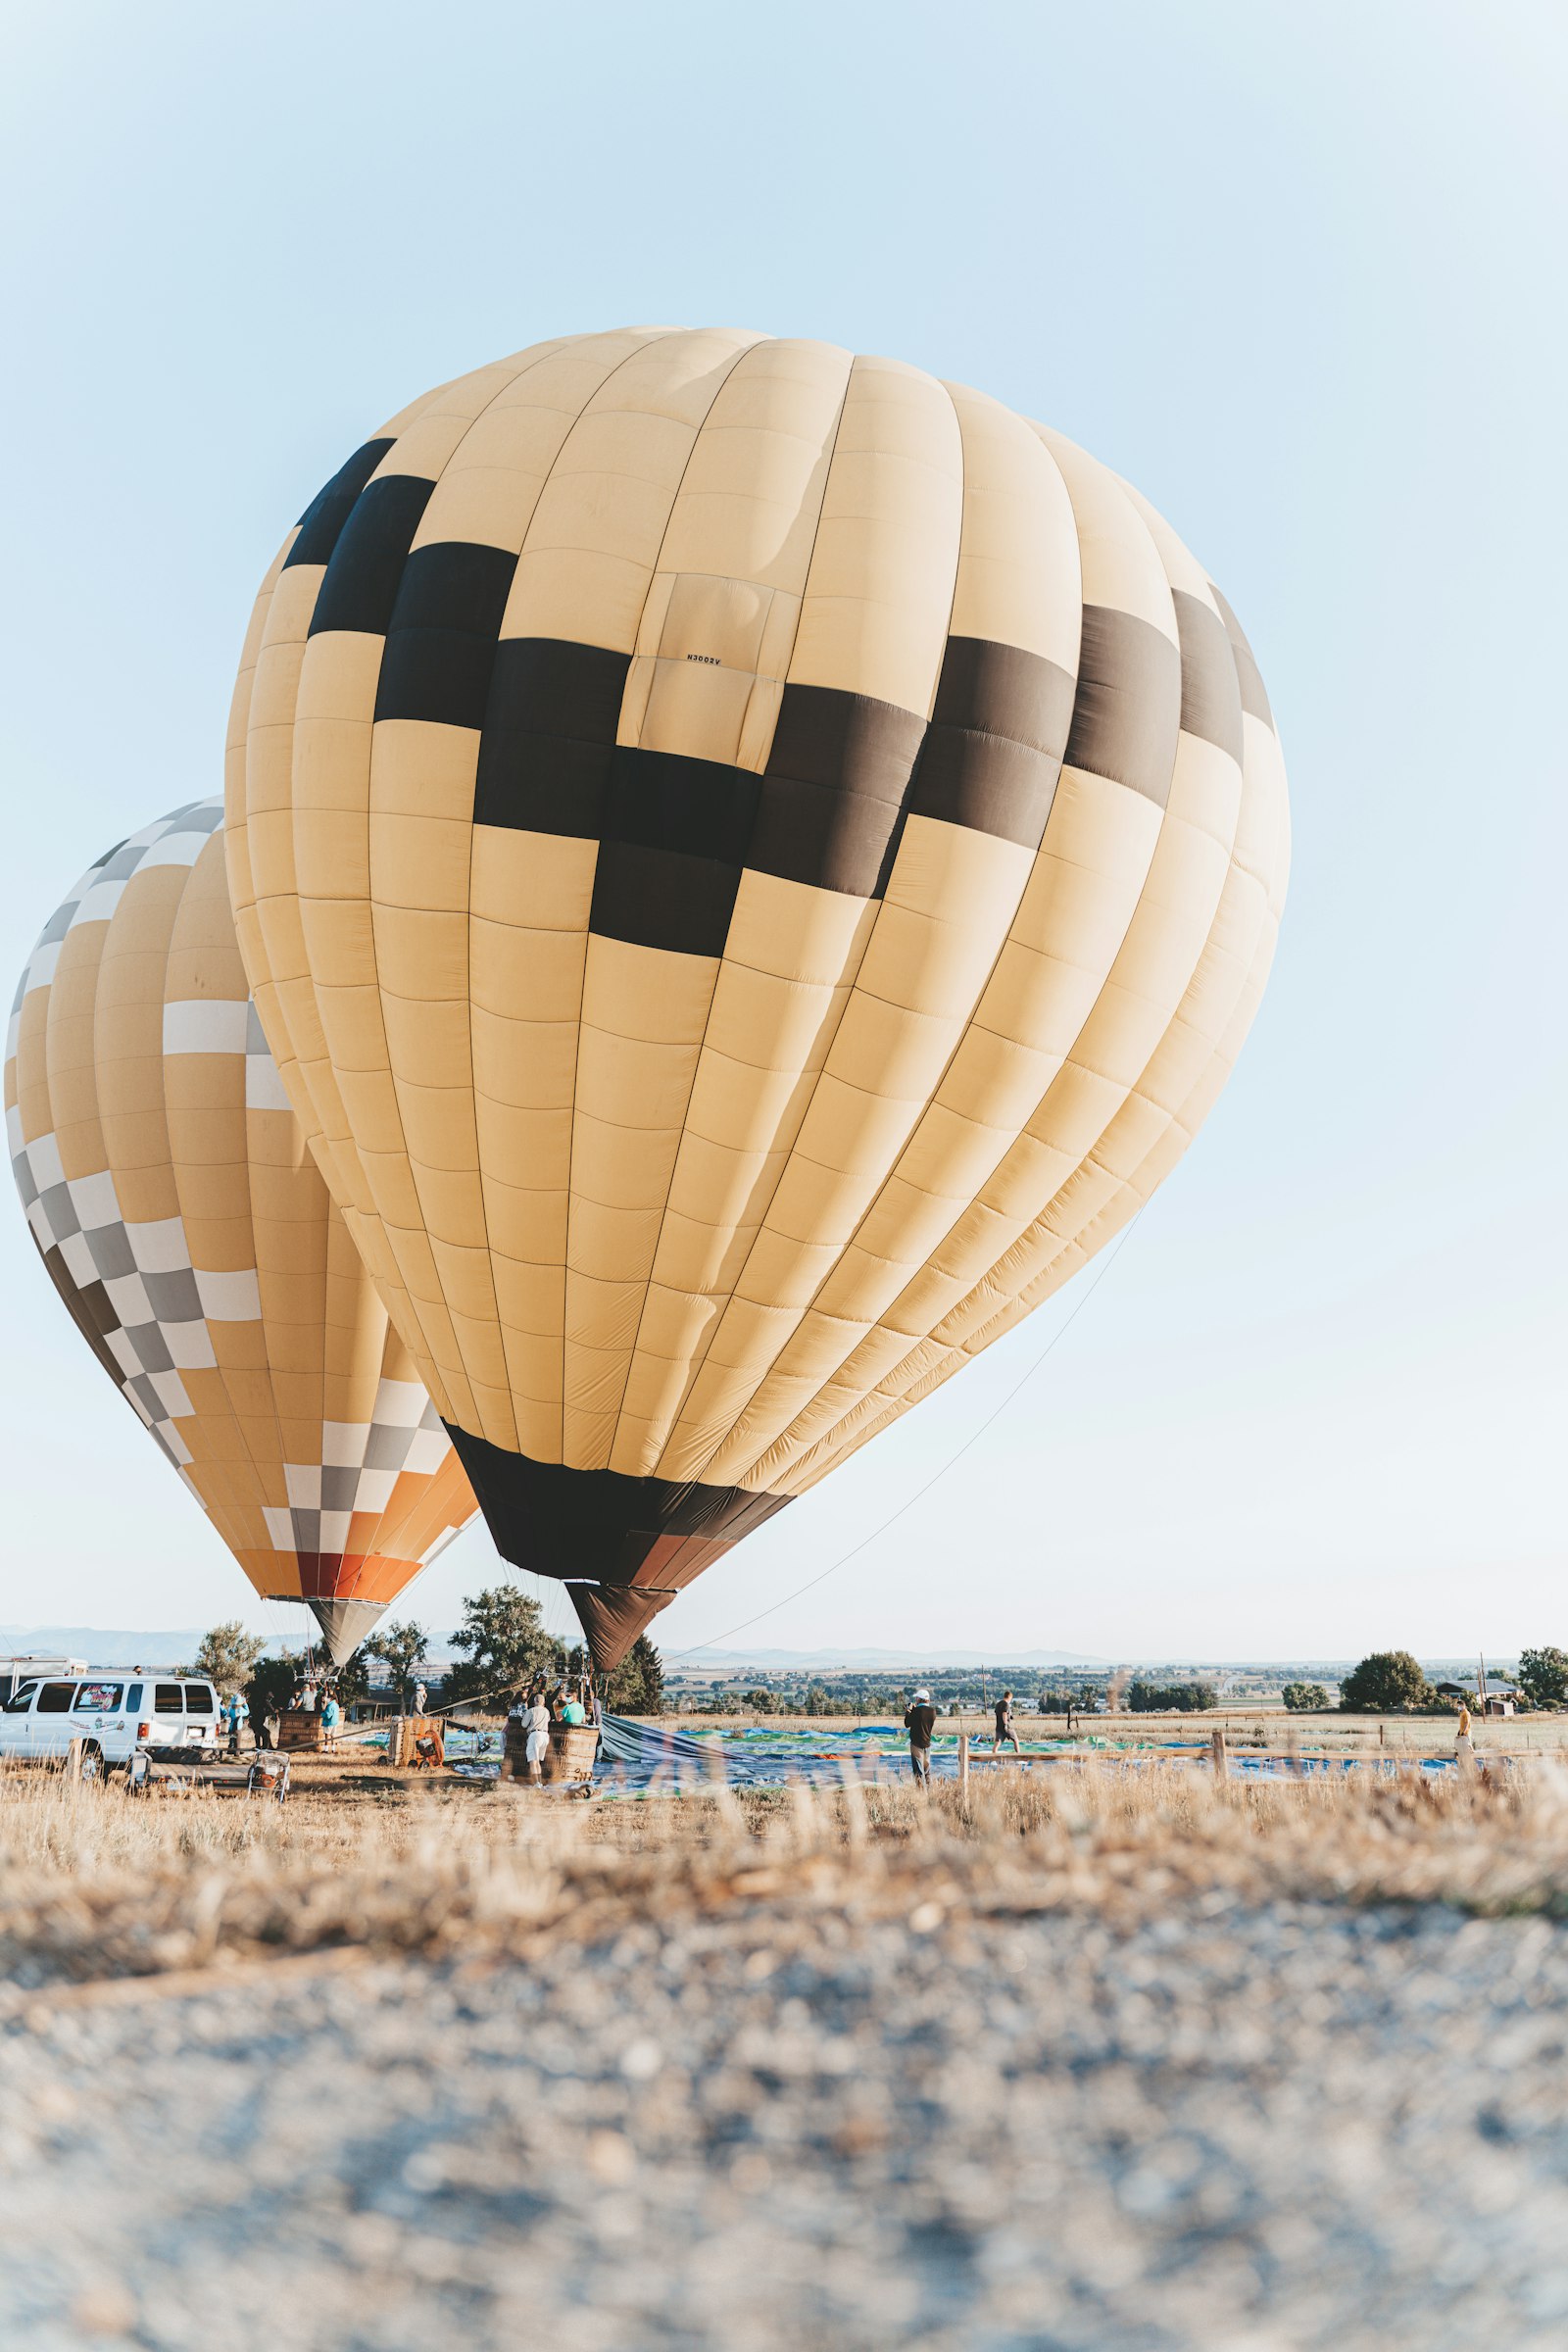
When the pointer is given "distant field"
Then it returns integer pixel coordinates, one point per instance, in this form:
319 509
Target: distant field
1269 1728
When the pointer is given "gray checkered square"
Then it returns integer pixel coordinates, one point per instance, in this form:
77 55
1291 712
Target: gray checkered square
145 1397
61 1212
173 1297
151 1347
388 1447
112 1252
339 1486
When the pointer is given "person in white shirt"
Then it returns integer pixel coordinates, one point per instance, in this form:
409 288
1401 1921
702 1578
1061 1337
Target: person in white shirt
538 1723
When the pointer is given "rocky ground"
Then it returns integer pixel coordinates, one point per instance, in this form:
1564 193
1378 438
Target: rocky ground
1121 2065
1219 2125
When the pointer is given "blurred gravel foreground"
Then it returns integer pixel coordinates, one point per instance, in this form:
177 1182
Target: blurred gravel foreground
1248 2071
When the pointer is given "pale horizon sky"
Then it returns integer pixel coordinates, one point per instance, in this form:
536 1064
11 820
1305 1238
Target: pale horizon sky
1293 271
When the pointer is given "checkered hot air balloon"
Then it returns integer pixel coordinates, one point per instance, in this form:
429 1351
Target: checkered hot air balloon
187 1227
754 863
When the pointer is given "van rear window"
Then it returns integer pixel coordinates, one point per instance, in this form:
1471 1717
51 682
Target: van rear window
168 1699
199 1699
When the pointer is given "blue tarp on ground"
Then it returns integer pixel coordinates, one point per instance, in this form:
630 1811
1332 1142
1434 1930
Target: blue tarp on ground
639 1758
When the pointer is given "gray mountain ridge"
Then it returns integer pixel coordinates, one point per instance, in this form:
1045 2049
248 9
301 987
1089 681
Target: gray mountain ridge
166 1647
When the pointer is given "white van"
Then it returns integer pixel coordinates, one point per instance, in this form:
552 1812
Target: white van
114 1715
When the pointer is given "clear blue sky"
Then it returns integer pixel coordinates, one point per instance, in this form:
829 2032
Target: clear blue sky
1297 271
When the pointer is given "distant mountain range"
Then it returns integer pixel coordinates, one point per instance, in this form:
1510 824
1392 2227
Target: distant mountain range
100 1648
840 1662
171 1647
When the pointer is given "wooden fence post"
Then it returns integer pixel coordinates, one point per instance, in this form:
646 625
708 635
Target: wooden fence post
1222 1770
73 1761
964 1761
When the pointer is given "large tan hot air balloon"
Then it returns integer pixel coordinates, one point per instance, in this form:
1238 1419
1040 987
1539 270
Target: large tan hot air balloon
187 1227
754 863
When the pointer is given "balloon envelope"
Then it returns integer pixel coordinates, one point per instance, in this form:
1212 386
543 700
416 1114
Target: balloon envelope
754 863
187 1227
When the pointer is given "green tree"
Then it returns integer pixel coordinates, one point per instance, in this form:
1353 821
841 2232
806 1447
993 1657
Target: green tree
636 1686
503 1643
273 1682
400 1648
761 1701
1304 1698
1544 1676
227 1656
1386 1682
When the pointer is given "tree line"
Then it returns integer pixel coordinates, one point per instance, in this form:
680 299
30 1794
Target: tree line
502 1647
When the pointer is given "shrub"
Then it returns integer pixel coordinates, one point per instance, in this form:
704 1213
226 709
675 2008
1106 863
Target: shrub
1169 1698
1385 1683
502 1641
636 1686
227 1656
1304 1698
1544 1676
399 1647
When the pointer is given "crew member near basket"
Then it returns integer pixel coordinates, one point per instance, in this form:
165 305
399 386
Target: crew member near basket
920 1721
1005 1735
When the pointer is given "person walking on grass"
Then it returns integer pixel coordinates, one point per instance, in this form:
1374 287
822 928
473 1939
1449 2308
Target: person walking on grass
1005 1732
920 1722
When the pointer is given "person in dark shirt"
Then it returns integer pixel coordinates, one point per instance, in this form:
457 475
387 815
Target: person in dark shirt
920 1721
1004 1733
259 1706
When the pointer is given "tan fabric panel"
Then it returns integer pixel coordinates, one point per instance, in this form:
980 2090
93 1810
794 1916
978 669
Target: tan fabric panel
879 592
1145 1139
949 908
712 656
595 533
639 433
716 649
1094 1111
873 622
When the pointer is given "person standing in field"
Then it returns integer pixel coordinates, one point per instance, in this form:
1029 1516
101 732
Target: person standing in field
1005 1732
232 1711
538 1738
1464 1746
259 1706
920 1722
331 1717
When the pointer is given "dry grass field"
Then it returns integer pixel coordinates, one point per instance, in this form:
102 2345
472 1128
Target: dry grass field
1087 2060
